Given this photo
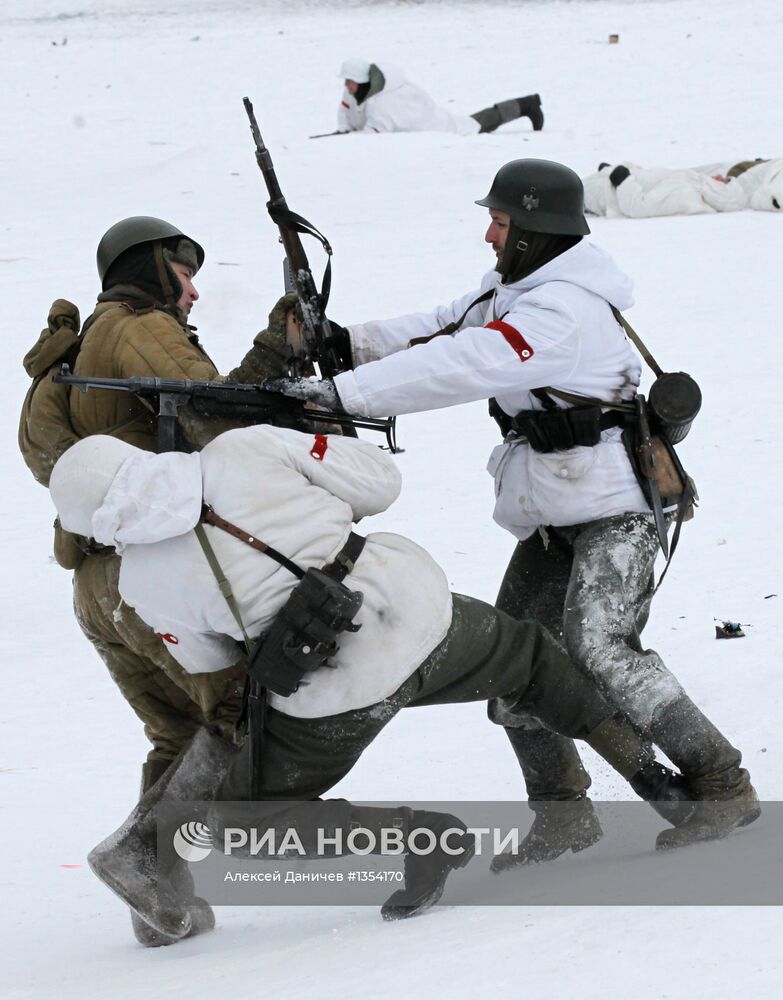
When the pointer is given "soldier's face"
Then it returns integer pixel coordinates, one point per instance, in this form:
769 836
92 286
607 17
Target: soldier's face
497 233
189 293
351 86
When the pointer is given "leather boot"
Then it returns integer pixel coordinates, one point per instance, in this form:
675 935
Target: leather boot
426 874
666 791
632 756
127 860
530 107
201 913
725 798
492 118
554 776
558 827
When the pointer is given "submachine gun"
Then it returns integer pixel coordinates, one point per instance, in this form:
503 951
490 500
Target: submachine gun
246 403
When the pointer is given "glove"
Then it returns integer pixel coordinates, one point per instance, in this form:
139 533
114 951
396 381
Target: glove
281 308
618 175
322 393
270 352
340 340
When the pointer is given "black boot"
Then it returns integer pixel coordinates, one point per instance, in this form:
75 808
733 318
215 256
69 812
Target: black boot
127 860
725 798
426 874
530 107
632 756
201 915
666 791
507 111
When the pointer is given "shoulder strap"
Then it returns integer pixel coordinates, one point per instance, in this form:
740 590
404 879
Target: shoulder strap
210 517
576 400
636 340
222 581
253 707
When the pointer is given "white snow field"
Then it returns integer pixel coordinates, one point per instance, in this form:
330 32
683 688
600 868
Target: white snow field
119 107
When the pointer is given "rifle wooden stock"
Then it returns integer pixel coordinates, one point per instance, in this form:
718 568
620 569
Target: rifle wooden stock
317 333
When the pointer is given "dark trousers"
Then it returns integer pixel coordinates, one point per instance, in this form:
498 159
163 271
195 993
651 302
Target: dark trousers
485 654
591 586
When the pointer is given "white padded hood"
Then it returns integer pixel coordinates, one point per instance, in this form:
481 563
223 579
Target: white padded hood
119 495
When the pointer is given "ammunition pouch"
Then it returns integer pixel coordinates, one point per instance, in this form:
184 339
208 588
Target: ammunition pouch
557 429
305 631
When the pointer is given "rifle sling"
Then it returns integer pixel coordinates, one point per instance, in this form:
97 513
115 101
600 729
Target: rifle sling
451 328
283 216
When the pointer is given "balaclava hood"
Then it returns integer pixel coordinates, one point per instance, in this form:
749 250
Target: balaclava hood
139 268
526 252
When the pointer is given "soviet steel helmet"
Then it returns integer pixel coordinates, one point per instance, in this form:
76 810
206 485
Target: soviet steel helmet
131 232
541 196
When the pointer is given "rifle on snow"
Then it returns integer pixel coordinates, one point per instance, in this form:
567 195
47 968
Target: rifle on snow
317 333
325 135
250 404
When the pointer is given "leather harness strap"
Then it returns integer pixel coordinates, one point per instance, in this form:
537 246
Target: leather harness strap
338 569
209 516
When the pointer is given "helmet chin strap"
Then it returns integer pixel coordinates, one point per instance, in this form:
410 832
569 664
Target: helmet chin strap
172 299
513 255
526 252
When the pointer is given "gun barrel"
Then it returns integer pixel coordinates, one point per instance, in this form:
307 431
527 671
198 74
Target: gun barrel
264 159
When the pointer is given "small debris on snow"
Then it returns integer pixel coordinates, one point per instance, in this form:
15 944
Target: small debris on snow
729 630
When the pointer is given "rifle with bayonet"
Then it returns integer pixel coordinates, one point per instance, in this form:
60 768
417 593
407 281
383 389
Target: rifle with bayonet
246 403
319 347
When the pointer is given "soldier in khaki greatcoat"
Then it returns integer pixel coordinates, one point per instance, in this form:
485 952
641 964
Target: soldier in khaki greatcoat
139 327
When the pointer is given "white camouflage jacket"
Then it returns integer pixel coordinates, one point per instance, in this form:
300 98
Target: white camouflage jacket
553 328
298 493
656 192
400 107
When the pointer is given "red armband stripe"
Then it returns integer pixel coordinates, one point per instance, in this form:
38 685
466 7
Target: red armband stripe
168 637
513 338
319 447
345 104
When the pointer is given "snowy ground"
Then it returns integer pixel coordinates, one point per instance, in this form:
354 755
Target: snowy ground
116 108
